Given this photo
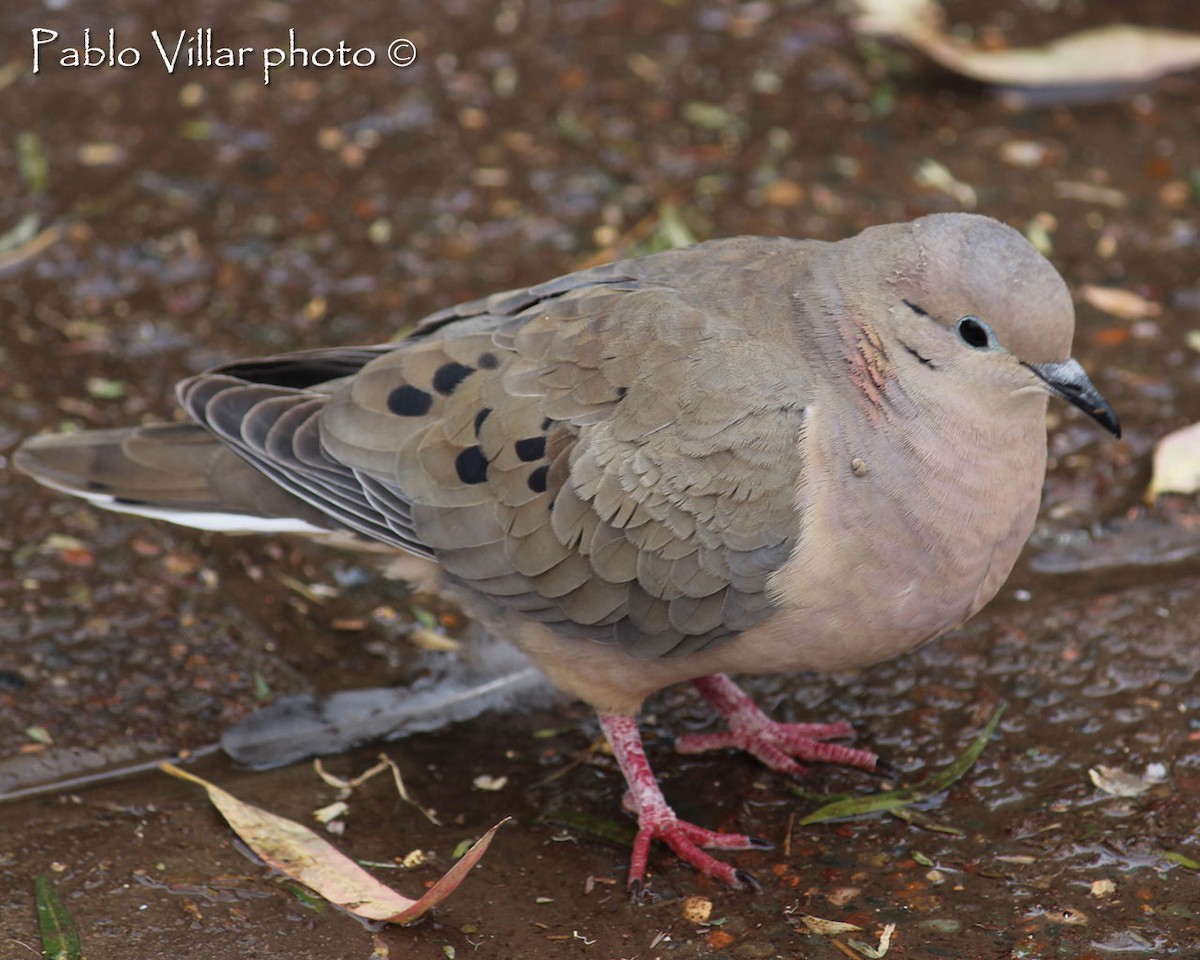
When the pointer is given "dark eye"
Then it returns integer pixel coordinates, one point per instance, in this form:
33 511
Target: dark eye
974 332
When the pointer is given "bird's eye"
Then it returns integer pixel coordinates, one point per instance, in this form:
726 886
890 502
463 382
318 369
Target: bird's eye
975 333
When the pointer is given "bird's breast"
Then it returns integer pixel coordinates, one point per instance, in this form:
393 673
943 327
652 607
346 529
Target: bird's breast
899 542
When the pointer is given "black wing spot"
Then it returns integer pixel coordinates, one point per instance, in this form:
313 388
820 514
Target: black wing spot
621 391
547 424
479 418
448 376
488 361
537 479
409 401
471 465
915 309
530 448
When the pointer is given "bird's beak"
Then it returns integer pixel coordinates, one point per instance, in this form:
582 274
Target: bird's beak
1066 379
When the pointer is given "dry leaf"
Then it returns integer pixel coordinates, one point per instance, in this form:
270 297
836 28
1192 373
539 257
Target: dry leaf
783 193
1124 304
932 174
1023 153
1176 463
840 896
428 639
339 808
827 928
101 154
24 242
1040 232
1118 54
1118 782
1103 888
875 953
346 787
301 854
1091 193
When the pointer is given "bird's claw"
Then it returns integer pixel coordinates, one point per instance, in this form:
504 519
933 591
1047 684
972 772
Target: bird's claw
748 881
780 745
657 821
687 840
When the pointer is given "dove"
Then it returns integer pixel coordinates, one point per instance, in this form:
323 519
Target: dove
751 455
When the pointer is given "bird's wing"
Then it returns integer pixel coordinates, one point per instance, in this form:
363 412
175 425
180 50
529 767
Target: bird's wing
604 453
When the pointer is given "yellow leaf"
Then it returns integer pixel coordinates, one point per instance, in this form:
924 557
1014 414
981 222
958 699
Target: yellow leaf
827 928
1176 463
1124 304
1116 54
301 854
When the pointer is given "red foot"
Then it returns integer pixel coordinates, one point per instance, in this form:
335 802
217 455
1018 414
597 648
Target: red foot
657 821
775 744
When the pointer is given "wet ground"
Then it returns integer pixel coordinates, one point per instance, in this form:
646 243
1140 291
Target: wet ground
205 215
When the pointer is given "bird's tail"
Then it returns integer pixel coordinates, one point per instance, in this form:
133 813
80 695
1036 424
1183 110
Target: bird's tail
175 472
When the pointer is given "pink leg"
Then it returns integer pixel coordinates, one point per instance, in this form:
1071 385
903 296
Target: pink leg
775 744
657 821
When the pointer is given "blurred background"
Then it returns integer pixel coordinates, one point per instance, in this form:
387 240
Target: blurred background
153 223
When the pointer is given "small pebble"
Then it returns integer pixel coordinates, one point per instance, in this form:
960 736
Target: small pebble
697 909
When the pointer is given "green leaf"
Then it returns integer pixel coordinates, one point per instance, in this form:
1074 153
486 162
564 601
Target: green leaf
916 818
32 162
671 232
424 617
24 232
309 899
1182 859
545 733
895 799
103 388
620 834
709 116
60 937
262 689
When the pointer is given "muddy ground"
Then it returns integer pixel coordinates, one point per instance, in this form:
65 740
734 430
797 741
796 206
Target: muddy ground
177 220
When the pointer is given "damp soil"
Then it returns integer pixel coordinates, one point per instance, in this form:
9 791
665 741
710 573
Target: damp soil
204 215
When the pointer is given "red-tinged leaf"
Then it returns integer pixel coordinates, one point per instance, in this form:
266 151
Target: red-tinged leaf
301 854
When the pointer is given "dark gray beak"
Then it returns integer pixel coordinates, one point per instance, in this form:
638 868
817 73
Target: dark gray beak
1066 379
